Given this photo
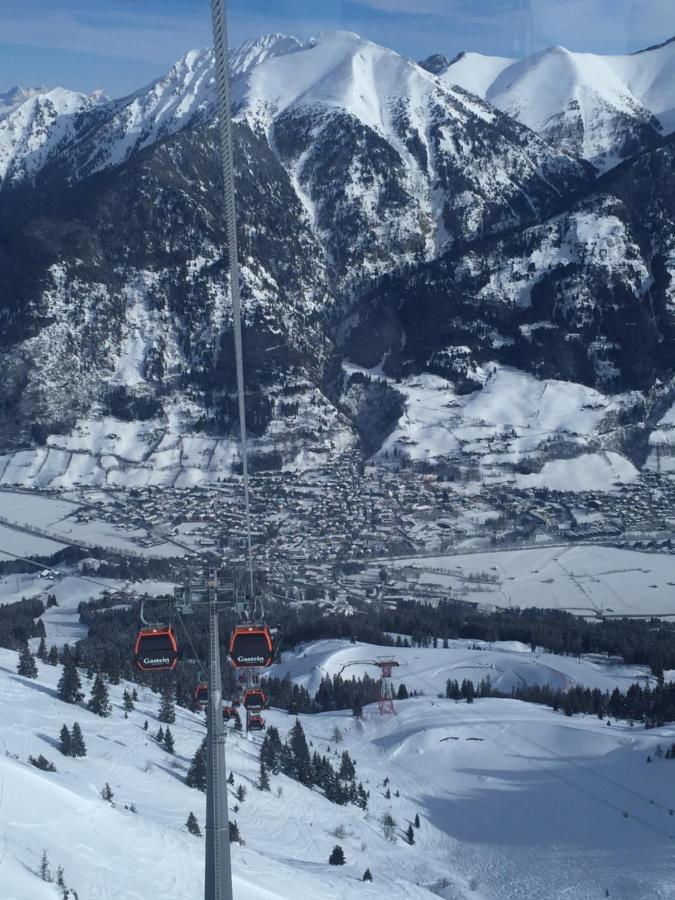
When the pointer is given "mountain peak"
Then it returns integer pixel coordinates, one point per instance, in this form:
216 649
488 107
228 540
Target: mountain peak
256 50
437 63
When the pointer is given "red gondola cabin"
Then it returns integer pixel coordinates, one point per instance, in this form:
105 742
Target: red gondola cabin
156 649
255 699
251 647
256 723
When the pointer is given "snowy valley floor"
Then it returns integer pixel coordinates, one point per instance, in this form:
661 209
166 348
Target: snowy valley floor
515 801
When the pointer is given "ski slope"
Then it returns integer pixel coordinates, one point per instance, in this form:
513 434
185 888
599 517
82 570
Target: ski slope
515 801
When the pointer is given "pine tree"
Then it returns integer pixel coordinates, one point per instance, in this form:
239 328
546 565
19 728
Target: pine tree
270 750
357 707
128 701
230 777
69 686
367 876
53 656
263 778
337 857
77 746
301 764
159 737
167 709
27 666
45 873
361 796
168 741
192 825
66 745
134 695
235 837
107 793
417 820
42 649
410 835
402 692
240 793
196 776
347 770
99 702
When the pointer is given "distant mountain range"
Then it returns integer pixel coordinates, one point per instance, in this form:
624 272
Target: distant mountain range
397 219
603 108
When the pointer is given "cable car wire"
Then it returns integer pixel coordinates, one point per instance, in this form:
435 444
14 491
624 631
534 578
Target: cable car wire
227 156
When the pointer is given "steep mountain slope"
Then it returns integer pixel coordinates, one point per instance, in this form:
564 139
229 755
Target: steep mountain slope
602 108
127 311
391 164
585 297
115 129
35 127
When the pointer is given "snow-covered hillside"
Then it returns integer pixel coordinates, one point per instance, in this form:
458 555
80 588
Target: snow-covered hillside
603 108
36 125
515 801
508 665
513 418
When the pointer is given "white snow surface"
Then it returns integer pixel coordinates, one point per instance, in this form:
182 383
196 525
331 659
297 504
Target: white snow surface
556 85
514 416
585 579
35 124
508 664
515 802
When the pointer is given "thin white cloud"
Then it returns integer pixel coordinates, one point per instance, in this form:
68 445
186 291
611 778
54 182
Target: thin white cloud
430 7
146 38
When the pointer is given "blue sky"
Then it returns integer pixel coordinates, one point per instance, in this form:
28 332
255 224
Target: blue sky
119 45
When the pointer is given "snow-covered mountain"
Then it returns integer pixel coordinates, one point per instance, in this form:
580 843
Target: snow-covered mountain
50 120
388 218
602 108
36 124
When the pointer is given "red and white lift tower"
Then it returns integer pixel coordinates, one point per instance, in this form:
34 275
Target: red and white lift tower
386 667
386 686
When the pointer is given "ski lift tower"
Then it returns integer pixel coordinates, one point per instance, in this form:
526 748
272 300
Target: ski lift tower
386 686
386 667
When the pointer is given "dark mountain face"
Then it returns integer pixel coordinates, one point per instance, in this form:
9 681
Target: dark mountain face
585 296
436 63
142 245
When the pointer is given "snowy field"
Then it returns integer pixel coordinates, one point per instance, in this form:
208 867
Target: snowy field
21 544
57 518
515 801
585 579
508 664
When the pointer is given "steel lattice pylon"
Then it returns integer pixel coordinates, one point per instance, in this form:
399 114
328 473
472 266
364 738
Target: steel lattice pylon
386 686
